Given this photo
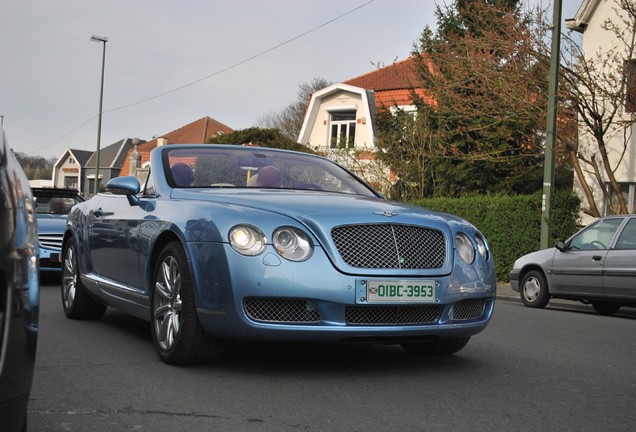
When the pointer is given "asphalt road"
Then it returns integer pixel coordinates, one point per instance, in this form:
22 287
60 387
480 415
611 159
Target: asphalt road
530 370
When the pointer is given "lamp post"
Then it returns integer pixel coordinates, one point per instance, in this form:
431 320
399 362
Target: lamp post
101 97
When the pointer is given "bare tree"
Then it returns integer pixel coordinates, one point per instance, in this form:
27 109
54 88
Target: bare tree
290 119
601 92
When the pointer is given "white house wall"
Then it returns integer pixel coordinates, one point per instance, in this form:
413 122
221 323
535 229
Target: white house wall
598 40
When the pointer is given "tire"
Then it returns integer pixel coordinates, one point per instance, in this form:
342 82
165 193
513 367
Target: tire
76 301
606 308
441 347
534 290
176 331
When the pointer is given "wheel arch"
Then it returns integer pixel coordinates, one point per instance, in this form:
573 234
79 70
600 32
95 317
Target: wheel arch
162 240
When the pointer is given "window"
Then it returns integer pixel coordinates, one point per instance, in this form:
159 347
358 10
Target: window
627 239
597 236
628 190
70 182
630 91
343 129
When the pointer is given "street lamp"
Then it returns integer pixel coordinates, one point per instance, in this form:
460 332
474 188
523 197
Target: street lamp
101 97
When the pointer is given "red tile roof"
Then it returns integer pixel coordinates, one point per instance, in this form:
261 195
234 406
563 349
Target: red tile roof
392 84
196 132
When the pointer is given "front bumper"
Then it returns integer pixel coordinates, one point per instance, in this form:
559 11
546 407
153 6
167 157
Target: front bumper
269 298
50 260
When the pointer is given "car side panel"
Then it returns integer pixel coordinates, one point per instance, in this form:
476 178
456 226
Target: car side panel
578 272
619 274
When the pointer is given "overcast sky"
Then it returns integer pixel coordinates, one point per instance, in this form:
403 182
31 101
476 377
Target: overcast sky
237 59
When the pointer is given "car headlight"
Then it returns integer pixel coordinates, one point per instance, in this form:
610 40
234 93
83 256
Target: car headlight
292 244
465 248
247 240
481 247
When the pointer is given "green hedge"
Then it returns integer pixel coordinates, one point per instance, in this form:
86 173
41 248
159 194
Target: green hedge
512 224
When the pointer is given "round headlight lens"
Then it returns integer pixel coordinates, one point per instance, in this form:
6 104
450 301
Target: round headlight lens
292 244
465 248
481 247
247 240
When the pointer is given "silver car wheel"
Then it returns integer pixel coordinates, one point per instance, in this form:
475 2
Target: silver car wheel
69 278
532 288
167 303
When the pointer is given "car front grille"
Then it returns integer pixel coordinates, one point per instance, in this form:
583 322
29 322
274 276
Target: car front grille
467 309
390 246
392 314
51 241
281 310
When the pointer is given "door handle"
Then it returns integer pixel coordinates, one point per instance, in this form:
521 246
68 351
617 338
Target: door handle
98 212
597 258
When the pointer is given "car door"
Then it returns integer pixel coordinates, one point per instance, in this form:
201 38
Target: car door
578 269
619 271
114 239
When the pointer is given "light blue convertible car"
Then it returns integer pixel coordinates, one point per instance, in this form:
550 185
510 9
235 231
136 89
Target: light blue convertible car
238 243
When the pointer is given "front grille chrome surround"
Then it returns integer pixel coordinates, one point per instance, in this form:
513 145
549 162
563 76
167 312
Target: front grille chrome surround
393 314
390 246
51 240
281 310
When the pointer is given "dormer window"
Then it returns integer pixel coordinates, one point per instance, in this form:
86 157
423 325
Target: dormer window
343 129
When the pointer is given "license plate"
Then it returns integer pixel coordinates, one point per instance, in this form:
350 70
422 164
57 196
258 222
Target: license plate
385 291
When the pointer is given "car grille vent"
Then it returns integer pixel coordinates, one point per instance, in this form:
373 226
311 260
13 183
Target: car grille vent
390 314
467 309
389 246
281 310
51 241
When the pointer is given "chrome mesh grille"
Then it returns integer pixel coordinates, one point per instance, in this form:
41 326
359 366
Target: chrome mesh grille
392 314
390 246
280 310
467 309
51 241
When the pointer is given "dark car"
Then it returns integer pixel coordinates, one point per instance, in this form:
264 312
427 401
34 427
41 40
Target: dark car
52 207
596 266
19 291
230 243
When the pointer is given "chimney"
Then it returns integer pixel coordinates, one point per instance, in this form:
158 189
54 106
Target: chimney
162 142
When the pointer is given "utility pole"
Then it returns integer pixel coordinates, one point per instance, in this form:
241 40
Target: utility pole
550 146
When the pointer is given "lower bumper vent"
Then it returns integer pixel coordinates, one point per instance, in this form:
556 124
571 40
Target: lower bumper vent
281 310
467 309
388 315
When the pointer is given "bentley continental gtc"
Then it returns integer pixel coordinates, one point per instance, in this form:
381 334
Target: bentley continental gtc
239 243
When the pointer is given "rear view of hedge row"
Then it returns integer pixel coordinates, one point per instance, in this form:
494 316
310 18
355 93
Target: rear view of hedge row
512 224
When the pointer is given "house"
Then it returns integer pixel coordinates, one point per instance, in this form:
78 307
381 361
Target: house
68 170
591 21
137 158
343 114
111 160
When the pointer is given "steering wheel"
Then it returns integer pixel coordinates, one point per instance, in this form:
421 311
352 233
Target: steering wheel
598 244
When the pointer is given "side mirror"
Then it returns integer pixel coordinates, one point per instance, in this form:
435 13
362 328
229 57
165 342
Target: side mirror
560 245
127 185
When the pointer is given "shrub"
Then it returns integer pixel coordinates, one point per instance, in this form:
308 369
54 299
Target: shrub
512 224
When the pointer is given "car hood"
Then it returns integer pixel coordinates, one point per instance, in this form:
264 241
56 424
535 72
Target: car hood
51 223
323 208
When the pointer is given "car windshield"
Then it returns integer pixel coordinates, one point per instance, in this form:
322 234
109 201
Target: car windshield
55 203
253 167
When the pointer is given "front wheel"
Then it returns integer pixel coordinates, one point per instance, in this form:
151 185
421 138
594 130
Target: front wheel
76 301
534 290
441 347
176 330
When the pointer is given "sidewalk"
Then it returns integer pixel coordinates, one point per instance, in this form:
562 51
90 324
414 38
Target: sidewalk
505 292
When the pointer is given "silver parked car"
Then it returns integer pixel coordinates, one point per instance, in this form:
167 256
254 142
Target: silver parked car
596 266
